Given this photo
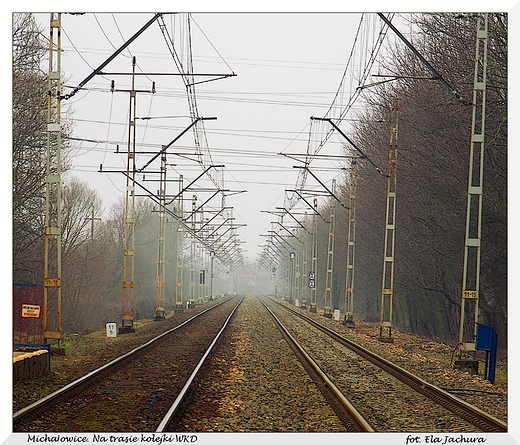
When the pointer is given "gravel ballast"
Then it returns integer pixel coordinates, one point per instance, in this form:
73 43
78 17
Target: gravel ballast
257 385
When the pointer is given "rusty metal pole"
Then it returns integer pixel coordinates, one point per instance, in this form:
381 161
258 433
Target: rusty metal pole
161 244
127 293
179 256
314 259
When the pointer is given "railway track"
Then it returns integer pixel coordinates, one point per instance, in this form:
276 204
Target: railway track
349 415
262 380
252 383
471 414
133 391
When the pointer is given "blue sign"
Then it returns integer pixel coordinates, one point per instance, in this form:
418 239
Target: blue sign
487 340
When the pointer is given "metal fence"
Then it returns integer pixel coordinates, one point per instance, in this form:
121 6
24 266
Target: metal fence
27 313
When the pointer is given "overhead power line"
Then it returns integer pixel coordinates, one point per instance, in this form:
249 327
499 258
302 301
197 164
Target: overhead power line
112 57
423 60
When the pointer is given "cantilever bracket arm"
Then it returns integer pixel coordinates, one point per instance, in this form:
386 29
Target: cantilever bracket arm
217 77
214 216
270 243
272 256
423 60
278 236
182 133
194 181
194 233
309 204
112 57
329 120
322 184
289 232
293 217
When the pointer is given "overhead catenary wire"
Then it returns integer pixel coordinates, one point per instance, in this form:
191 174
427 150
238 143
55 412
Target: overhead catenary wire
293 99
111 57
213 46
239 133
337 98
280 63
82 85
337 111
216 97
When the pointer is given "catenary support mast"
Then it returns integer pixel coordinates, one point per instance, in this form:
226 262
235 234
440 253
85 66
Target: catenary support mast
386 305
471 272
314 259
128 291
351 248
179 253
193 250
128 296
160 289
52 326
327 303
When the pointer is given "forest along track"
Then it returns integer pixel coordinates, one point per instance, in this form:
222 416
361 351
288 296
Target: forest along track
387 403
255 383
133 392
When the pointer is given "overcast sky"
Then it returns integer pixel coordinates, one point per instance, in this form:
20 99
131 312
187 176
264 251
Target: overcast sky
288 67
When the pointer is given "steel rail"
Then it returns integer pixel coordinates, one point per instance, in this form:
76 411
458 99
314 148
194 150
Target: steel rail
162 427
474 415
103 371
347 413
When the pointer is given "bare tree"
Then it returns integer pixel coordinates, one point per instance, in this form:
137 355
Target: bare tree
434 133
29 125
28 43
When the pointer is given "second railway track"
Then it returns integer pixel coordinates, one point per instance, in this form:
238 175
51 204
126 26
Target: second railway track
255 383
133 392
379 386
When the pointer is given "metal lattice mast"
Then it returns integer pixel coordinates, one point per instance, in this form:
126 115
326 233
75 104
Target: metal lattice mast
287 286
351 248
327 303
471 272
161 243
314 259
52 328
178 261
201 256
297 276
305 271
386 308
128 295
193 250
211 252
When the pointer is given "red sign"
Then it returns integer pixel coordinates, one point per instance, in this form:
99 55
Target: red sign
30 311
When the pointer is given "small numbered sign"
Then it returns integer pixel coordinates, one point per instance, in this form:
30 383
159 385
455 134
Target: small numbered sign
470 294
111 329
